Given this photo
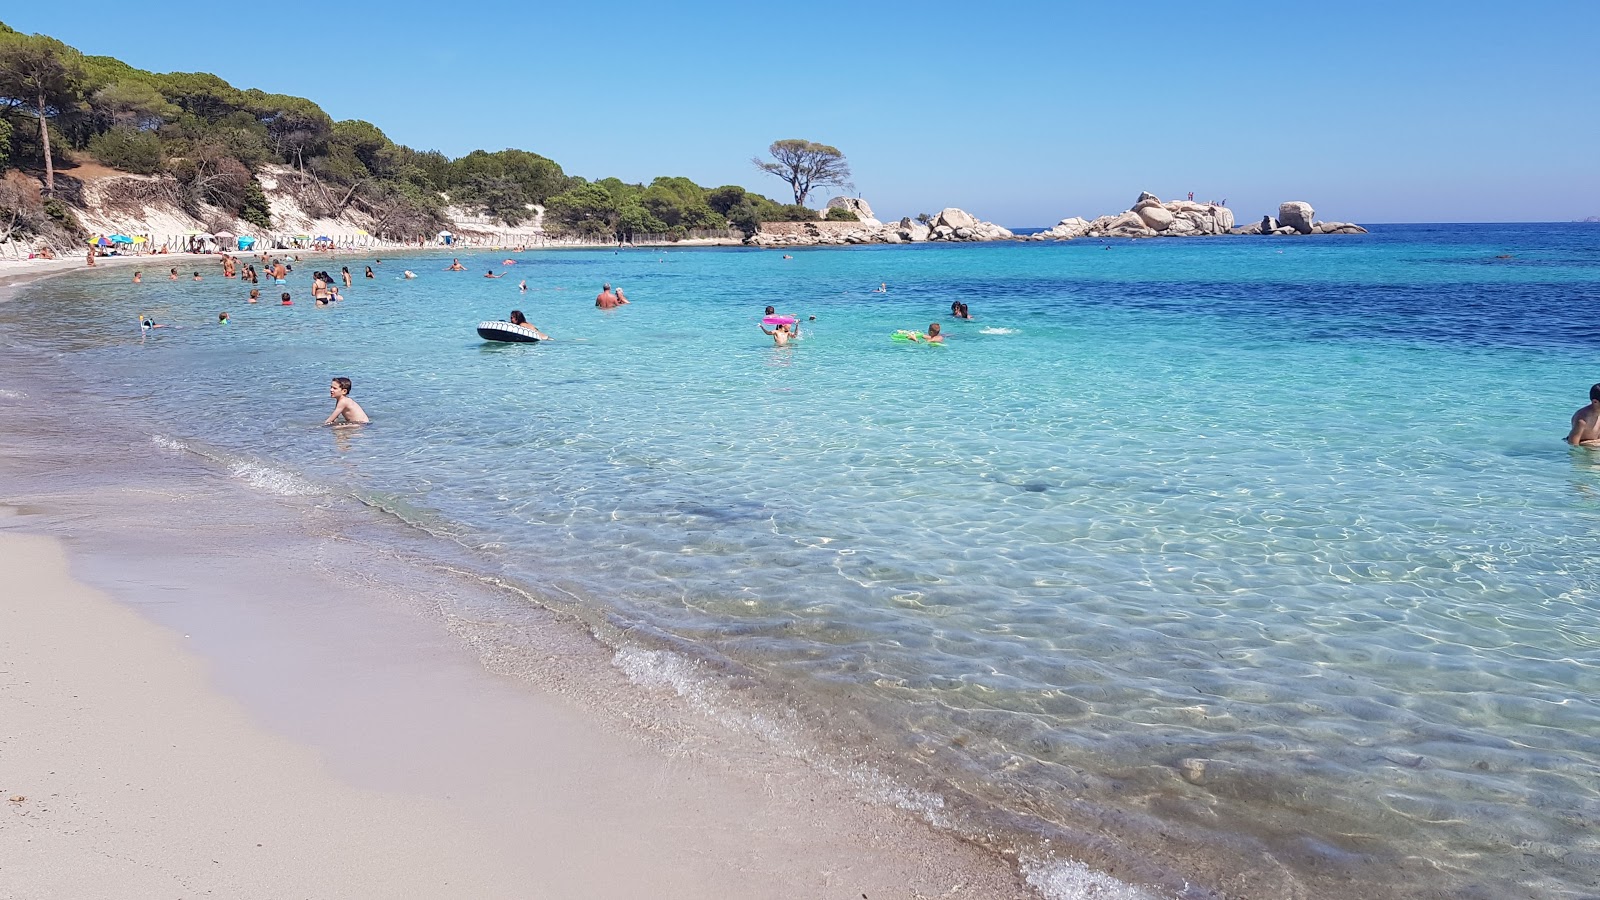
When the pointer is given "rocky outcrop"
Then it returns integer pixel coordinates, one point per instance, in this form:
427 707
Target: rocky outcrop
949 225
1295 217
1296 214
860 207
1150 217
1065 230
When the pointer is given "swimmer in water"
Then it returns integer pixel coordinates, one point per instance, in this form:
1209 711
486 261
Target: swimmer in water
959 310
883 288
521 321
136 278
782 334
197 276
1586 422
369 272
491 274
523 285
932 337
173 276
255 295
345 410
410 274
455 266
222 318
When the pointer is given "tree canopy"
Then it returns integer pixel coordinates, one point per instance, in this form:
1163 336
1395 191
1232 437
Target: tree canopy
45 77
805 165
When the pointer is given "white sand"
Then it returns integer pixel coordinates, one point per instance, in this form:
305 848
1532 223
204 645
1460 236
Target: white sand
141 779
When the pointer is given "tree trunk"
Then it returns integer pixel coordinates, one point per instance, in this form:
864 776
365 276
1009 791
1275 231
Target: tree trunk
44 138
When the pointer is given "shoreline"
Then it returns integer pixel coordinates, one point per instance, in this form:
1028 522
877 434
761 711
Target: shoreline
302 644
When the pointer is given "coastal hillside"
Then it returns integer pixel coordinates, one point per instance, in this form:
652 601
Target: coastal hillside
106 201
91 145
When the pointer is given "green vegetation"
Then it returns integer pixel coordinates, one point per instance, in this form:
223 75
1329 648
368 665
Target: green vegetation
208 141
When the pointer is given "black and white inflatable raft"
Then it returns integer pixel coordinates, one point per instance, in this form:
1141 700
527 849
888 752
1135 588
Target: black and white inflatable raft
507 333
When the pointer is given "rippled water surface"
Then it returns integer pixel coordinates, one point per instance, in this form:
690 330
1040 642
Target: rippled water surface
1260 551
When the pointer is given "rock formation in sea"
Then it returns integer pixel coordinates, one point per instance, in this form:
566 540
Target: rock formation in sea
1149 217
1297 217
951 224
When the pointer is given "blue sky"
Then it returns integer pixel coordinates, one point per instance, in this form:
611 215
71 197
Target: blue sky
1020 113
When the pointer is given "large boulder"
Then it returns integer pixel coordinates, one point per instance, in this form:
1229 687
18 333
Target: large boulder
1296 214
857 205
1155 217
911 230
1066 229
1146 199
953 218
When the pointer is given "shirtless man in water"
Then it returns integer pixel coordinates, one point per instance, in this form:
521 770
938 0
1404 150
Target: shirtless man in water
1586 422
455 266
608 299
782 334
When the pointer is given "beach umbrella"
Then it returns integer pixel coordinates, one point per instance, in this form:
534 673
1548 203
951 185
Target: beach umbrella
224 234
121 239
302 237
362 233
445 234
94 241
139 239
103 242
322 238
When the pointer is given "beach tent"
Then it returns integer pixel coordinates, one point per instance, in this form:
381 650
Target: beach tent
246 242
446 238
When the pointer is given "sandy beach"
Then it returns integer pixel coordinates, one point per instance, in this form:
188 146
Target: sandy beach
213 690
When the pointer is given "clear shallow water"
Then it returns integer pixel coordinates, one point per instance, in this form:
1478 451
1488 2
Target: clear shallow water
1270 560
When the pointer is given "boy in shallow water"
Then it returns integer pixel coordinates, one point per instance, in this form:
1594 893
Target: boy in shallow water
345 410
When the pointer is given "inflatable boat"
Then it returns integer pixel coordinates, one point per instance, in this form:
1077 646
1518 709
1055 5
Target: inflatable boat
507 333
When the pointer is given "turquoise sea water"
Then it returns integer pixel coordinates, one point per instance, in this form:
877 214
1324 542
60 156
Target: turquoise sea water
1262 552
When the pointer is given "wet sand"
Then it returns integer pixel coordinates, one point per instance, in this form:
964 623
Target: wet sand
210 687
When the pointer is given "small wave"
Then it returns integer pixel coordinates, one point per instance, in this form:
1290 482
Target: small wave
273 481
1072 880
683 676
166 443
13 395
993 330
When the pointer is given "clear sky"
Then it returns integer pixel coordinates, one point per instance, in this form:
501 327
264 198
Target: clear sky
1023 113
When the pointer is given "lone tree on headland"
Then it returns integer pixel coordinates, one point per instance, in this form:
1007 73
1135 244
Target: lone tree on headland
805 165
